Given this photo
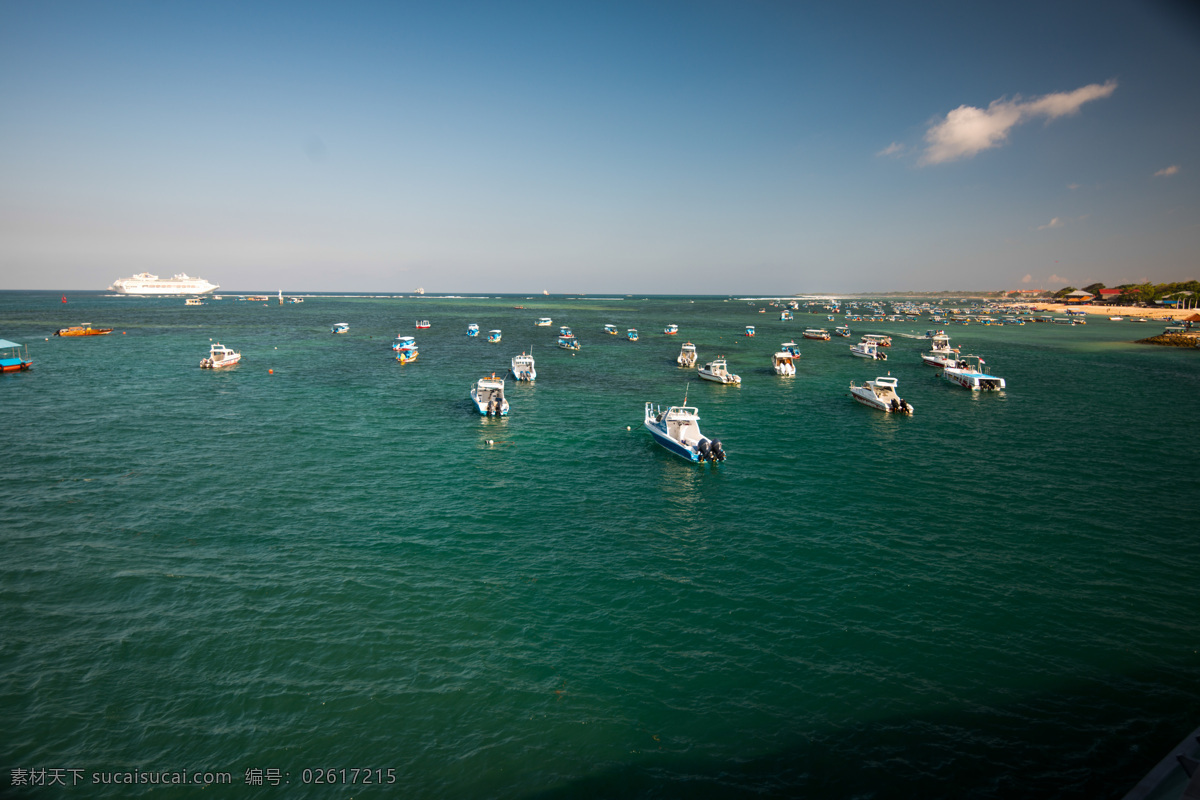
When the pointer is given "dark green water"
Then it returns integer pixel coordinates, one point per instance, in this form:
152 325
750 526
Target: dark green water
328 567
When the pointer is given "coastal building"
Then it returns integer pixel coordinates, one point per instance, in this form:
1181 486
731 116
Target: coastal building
1110 295
1078 297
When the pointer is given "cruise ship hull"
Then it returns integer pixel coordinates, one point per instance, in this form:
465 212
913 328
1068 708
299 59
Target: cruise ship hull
147 284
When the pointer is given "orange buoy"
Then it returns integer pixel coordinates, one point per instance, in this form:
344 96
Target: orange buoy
270 372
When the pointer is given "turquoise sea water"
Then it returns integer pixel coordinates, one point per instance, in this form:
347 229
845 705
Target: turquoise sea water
329 567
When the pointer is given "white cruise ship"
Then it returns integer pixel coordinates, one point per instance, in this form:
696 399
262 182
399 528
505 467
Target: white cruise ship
145 283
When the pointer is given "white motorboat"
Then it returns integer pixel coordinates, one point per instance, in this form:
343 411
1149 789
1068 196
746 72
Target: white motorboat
678 429
783 364
867 349
940 354
493 337
816 333
968 373
544 322
219 357
472 329
881 394
522 367
687 355
488 396
611 329
340 327
791 347
718 372
878 338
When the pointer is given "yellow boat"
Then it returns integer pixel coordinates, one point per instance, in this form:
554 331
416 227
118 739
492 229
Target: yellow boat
85 329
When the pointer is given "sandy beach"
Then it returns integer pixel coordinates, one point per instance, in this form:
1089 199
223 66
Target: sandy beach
1128 312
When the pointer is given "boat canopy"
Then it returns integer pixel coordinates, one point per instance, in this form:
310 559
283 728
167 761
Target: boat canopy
5 344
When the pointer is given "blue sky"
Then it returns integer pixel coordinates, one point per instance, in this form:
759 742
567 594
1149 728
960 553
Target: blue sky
660 147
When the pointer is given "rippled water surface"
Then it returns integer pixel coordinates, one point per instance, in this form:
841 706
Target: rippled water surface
328 566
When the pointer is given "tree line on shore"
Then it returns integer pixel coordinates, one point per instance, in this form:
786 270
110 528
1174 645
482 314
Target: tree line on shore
1141 293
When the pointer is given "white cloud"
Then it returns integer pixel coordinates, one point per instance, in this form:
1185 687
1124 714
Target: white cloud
1168 171
895 148
1072 186
1057 279
1027 279
1054 223
968 130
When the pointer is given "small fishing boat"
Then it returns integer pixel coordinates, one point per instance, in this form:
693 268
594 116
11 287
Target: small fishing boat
687 355
631 334
340 327
544 322
792 348
568 342
82 329
565 330
671 329
11 358
749 330
881 394
193 301
867 349
842 330
406 349
522 367
611 329
1116 319
717 371
422 324
472 330
493 337
488 396
219 357
968 373
678 430
786 316
816 333
783 364
878 338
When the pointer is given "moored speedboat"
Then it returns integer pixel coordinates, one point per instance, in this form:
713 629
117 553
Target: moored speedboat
816 333
340 327
786 316
842 330
783 364
749 330
678 429
401 342
422 324
11 358
941 354
472 329
488 396
867 349
717 371
611 329
568 342
631 334
791 347
968 373
522 367
878 338
493 337
220 356
544 322
881 394
687 355
671 329
564 330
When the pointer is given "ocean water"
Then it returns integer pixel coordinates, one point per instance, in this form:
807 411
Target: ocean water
316 561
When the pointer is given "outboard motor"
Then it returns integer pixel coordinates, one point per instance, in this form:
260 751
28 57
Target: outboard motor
715 451
704 449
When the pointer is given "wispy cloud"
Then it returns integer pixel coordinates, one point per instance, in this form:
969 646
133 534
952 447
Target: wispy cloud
893 149
1027 279
968 130
1057 279
1054 223
1168 171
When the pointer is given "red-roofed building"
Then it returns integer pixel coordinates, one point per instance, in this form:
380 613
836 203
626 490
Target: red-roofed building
1109 295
